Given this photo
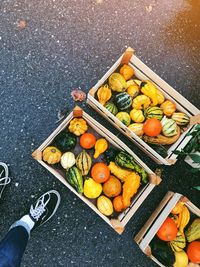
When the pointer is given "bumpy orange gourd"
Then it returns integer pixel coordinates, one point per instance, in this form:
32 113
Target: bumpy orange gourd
168 107
112 187
51 155
130 187
78 126
126 71
104 94
119 172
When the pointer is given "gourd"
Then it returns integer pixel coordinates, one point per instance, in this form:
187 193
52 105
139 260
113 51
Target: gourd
67 160
162 252
65 141
137 128
148 89
179 243
133 82
154 112
78 126
169 127
104 94
160 97
110 154
51 155
118 172
193 231
84 162
123 101
117 82
141 102
100 147
124 117
130 188
184 218
92 189
168 107
112 187
126 71
105 205
74 177
181 118
161 139
181 259
178 208
133 90
110 106
137 115
125 160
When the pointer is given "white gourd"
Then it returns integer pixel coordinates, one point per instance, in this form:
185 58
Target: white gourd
67 160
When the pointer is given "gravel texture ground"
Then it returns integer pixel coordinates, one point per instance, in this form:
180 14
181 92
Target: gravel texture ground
47 49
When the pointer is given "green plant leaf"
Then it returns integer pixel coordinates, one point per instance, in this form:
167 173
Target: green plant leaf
197 187
195 158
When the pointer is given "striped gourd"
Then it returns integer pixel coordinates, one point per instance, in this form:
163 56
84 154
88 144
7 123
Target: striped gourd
154 112
110 106
123 101
169 127
74 177
179 243
181 118
84 162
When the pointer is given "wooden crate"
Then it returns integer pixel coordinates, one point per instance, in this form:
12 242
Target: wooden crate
117 223
142 72
149 230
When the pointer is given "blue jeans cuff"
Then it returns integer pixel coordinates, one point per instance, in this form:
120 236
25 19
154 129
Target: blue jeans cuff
23 224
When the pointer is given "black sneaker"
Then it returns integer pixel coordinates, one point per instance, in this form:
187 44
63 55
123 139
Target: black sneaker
4 179
44 208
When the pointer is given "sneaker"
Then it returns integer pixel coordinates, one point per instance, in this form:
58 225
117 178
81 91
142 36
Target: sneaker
44 208
4 179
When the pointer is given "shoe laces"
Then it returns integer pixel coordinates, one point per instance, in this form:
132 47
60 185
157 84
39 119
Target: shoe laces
37 211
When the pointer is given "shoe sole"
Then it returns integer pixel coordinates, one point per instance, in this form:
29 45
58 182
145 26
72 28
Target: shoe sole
56 207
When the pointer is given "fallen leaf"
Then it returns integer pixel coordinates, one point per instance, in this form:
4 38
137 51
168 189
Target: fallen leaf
21 24
78 95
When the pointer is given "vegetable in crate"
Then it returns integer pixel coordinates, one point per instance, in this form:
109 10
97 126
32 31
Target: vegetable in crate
148 89
112 187
137 128
124 117
184 218
168 107
74 177
105 205
193 252
169 127
91 189
125 160
141 102
179 243
117 82
178 208
162 252
160 97
152 127
126 71
181 118
104 94
87 140
123 101
181 259
119 172
110 106
130 188
154 112
193 231
67 160
118 204
110 154
78 126
65 141
100 147
51 155
100 172
168 230
137 115
133 90
84 162
133 82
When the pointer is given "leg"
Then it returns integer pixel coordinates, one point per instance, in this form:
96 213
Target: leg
12 247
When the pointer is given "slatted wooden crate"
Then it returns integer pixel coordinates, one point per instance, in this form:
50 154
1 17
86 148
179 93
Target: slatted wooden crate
149 230
122 219
143 72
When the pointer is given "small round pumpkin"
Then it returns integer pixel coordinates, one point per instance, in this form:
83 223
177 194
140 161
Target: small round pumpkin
51 155
137 128
112 187
105 205
100 172
137 115
118 203
168 107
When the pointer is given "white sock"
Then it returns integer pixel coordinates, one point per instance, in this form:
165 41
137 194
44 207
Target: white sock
27 219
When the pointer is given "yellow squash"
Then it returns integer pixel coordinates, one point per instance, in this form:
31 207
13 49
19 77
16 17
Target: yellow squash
91 189
101 146
78 126
105 205
141 102
51 155
178 208
181 259
184 218
137 115
119 172
104 94
168 107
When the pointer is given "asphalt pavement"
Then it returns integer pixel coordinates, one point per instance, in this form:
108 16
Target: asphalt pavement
50 47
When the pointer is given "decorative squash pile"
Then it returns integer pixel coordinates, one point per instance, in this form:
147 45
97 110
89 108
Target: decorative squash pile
98 171
142 107
177 242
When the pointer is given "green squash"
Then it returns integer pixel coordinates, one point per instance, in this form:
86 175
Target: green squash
123 101
154 112
110 106
74 177
124 117
65 141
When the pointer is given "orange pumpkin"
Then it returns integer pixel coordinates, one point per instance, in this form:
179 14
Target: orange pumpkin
112 187
118 203
126 71
100 172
